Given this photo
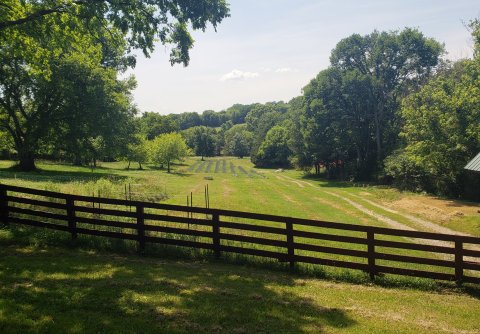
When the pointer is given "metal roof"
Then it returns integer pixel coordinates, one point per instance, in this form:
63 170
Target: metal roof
474 164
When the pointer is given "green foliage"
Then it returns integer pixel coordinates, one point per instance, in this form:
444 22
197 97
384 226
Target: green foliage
140 23
152 124
350 110
406 173
202 140
137 151
442 128
274 150
166 148
238 141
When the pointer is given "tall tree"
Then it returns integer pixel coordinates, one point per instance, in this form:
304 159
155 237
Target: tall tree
394 63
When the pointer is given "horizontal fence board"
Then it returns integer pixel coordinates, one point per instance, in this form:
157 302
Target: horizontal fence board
412 246
329 262
23 221
469 279
331 250
332 237
177 219
108 234
107 212
255 228
331 225
471 265
253 240
179 242
175 230
413 259
413 234
255 252
38 192
101 222
415 273
469 252
37 213
36 202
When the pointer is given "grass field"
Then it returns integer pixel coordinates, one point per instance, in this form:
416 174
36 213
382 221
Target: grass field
61 290
236 185
233 184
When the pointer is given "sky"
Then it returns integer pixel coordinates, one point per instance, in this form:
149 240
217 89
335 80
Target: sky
268 50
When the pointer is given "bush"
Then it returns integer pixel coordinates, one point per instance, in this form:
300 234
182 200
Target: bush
405 172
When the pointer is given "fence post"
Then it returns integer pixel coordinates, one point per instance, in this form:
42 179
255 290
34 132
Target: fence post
290 245
72 223
216 234
140 228
458 261
3 205
371 254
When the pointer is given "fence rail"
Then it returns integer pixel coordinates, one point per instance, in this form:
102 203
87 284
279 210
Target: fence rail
219 232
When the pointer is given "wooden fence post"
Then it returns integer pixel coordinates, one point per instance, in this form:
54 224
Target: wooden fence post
458 261
371 254
216 234
3 205
140 228
290 245
72 223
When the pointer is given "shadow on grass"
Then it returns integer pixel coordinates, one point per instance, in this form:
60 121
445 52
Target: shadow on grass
40 237
59 176
57 290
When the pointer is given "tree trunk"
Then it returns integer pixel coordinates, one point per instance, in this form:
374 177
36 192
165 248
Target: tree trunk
26 159
168 166
140 165
128 166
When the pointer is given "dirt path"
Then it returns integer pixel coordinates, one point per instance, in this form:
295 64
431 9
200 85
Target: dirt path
298 183
396 224
424 223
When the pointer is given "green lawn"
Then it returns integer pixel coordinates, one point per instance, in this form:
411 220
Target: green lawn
62 290
50 286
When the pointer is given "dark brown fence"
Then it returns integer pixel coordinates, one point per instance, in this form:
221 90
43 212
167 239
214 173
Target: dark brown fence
286 239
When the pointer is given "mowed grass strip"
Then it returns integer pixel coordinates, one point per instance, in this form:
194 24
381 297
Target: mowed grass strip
224 166
58 290
217 166
209 166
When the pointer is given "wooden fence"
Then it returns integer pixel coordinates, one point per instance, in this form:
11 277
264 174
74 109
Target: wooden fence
217 233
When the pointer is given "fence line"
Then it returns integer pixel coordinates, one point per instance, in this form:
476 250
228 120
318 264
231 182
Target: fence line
220 231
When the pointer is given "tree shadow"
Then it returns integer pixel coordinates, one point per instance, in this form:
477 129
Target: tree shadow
59 176
61 291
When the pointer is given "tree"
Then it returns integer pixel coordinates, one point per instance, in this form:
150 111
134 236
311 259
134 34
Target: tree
137 151
393 63
238 141
38 39
442 129
204 139
274 151
140 22
152 124
167 148
80 99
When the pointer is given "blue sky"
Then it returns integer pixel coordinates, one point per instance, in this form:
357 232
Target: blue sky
269 49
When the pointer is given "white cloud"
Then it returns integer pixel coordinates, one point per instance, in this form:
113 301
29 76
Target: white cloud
238 75
285 70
